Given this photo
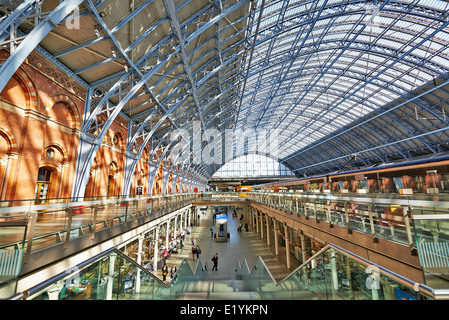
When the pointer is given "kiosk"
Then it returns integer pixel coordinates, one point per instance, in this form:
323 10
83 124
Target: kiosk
221 227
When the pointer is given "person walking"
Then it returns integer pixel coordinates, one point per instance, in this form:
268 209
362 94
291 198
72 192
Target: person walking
198 252
193 252
173 271
215 260
212 232
164 272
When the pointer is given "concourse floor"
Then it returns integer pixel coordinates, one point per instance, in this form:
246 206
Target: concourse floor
240 245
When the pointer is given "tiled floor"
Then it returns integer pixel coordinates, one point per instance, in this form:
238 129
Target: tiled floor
240 245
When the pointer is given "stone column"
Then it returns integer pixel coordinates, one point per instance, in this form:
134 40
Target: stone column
156 249
287 245
276 240
167 234
268 229
139 260
110 283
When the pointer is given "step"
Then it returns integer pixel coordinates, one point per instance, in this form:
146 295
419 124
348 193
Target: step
220 296
215 286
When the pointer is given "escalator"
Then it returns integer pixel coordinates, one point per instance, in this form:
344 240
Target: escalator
331 274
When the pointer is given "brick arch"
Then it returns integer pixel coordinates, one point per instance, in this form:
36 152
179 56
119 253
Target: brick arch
9 137
27 85
70 104
29 88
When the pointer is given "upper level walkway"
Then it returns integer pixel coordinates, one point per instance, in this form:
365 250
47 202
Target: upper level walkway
47 233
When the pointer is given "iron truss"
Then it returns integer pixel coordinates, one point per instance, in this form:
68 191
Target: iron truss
341 83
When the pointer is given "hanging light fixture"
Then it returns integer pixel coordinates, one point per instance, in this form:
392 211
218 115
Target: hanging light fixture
97 30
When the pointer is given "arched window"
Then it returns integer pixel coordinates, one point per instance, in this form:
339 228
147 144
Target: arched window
43 185
253 165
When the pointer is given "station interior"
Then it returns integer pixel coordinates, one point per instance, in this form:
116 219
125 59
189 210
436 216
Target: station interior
224 150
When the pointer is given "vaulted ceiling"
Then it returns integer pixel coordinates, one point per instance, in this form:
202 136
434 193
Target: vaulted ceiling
338 83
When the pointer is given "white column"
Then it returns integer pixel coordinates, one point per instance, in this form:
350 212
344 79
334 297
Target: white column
303 248
110 284
268 229
276 240
156 249
181 222
189 216
287 246
261 225
257 221
139 261
167 232
334 271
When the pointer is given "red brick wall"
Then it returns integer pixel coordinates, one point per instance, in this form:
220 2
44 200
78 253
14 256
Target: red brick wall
41 108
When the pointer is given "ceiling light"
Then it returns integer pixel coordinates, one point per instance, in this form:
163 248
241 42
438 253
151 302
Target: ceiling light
97 30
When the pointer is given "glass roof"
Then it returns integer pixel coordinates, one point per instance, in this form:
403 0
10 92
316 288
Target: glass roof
328 78
319 66
252 165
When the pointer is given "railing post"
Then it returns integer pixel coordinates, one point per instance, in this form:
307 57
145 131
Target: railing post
304 205
328 212
69 225
407 213
314 212
126 210
347 217
371 223
31 227
94 220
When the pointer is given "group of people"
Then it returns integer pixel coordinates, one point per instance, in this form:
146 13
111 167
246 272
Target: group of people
196 251
165 271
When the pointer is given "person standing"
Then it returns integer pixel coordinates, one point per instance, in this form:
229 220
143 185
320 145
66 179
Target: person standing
198 252
215 260
164 272
193 253
173 270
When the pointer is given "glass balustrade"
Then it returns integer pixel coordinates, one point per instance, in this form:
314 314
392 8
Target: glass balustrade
59 220
11 256
331 274
432 242
113 276
334 274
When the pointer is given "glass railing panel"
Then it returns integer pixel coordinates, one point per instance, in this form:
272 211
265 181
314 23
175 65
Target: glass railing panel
261 281
11 256
432 243
242 270
50 228
112 276
334 275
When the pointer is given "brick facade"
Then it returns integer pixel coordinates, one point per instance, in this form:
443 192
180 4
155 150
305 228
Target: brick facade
41 112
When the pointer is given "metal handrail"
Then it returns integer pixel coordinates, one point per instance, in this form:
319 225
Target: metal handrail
438 294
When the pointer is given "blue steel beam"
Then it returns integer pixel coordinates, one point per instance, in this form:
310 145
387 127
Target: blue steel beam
432 89
32 40
383 70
